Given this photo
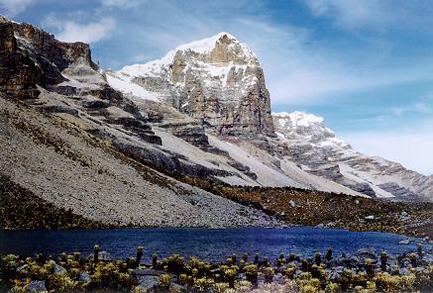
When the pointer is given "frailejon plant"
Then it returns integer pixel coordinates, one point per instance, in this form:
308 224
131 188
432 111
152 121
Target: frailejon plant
318 258
383 261
268 273
165 281
251 273
155 260
139 255
419 250
174 264
328 255
245 257
96 250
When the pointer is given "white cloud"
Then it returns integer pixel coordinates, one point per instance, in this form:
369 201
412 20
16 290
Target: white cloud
421 106
412 147
353 13
121 3
299 69
71 31
379 15
14 7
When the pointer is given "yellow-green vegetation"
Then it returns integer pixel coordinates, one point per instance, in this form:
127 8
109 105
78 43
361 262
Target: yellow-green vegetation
73 273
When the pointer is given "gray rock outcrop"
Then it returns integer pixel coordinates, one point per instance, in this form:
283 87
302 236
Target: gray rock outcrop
218 81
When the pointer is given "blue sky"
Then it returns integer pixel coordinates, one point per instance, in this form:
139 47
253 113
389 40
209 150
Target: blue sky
366 66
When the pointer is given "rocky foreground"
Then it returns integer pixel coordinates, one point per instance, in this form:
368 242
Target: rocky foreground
365 271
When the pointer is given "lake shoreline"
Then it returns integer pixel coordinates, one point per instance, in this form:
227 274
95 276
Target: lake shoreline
363 270
208 244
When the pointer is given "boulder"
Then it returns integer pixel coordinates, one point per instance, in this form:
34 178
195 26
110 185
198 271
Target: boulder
36 287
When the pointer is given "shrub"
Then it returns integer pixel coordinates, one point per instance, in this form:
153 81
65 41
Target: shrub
164 281
332 288
290 271
268 273
204 283
174 264
221 287
243 287
230 275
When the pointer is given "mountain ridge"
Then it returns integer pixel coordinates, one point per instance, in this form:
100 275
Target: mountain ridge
79 141
332 156
304 141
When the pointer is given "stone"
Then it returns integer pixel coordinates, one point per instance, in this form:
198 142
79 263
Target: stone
147 282
404 241
58 270
85 277
19 75
36 287
21 268
31 57
103 255
292 203
366 253
147 278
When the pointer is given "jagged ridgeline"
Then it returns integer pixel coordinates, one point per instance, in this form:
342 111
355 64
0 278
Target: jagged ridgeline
219 82
147 145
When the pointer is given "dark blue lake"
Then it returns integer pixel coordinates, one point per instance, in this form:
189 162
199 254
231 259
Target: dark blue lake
209 244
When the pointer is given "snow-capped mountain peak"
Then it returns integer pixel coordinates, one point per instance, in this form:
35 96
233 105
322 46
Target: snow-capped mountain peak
208 44
217 79
306 127
218 82
298 118
219 50
317 149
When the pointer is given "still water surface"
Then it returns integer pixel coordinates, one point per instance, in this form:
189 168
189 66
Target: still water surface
208 244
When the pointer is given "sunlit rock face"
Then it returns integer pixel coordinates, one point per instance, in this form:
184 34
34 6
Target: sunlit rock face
31 57
218 80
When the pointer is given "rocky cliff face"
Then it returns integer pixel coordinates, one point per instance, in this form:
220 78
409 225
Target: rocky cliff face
217 80
32 57
317 150
18 72
75 143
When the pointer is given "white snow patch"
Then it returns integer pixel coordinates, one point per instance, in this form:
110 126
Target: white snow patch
354 175
298 118
267 176
127 87
315 182
204 46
